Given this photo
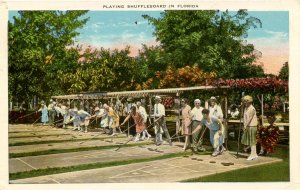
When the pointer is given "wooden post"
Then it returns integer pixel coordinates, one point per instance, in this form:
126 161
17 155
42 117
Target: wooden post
206 104
262 109
226 105
10 106
150 108
178 116
225 121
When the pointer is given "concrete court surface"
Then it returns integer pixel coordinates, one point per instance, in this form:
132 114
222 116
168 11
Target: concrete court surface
86 157
15 128
166 170
61 137
54 135
108 141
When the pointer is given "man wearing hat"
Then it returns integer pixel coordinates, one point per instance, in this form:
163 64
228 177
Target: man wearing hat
196 115
160 123
250 126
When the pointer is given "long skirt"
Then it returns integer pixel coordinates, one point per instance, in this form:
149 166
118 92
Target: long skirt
44 117
186 127
139 127
249 136
106 122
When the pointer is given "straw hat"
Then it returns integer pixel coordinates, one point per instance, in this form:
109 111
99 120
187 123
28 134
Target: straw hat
247 99
213 99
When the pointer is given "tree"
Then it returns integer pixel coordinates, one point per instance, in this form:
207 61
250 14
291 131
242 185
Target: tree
284 71
37 41
100 70
211 39
179 77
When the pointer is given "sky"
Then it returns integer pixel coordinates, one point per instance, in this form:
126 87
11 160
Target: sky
117 29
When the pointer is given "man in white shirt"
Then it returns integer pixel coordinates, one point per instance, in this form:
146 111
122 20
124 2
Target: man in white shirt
196 115
160 123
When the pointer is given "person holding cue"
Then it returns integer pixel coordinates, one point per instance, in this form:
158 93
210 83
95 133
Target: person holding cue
216 129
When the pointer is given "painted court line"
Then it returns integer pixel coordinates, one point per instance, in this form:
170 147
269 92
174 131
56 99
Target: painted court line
26 163
181 167
147 166
54 180
80 156
115 176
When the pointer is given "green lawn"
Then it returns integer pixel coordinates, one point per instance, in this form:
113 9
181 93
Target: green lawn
265 173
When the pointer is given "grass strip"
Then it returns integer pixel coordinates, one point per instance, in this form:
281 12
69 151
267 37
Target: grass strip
28 136
264 173
50 171
278 171
33 130
58 151
59 141
18 132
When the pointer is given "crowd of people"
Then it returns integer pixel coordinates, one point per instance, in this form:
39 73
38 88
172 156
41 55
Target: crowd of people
195 121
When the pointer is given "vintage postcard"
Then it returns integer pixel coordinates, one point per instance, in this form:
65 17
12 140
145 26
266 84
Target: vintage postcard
139 94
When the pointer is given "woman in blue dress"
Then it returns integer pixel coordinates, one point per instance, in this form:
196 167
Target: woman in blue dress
216 131
44 111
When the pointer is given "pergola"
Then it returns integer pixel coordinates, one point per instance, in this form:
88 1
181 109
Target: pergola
252 83
138 93
268 83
